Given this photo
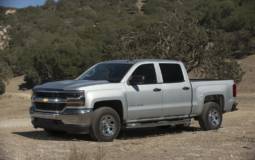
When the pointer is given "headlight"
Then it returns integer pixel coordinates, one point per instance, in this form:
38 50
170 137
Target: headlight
75 102
79 100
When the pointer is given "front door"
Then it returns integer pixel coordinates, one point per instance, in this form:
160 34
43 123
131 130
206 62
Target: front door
144 99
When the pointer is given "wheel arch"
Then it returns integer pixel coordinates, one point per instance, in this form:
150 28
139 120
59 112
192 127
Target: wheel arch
116 105
217 98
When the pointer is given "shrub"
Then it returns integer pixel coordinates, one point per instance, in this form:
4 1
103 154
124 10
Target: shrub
179 37
32 78
64 38
2 87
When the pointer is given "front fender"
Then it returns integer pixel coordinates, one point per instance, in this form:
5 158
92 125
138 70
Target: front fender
106 95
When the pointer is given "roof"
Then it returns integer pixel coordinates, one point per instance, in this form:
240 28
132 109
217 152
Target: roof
140 60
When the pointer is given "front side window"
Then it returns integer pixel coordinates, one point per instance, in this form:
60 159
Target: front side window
171 73
148 72
112 72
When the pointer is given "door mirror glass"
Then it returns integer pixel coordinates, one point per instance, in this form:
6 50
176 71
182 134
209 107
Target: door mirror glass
136 79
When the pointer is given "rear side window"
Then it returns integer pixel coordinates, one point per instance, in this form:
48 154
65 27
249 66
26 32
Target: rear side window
148 71
172 73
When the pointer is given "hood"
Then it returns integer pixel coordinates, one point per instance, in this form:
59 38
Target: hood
68 84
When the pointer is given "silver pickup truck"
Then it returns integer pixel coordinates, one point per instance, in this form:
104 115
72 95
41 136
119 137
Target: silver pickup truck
119 94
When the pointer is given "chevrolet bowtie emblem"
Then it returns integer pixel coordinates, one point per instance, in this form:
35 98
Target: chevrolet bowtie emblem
45 100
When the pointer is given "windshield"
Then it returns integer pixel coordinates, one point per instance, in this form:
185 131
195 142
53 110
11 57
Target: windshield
112 72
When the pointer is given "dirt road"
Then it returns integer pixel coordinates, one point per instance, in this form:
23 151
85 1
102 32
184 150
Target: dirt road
235 140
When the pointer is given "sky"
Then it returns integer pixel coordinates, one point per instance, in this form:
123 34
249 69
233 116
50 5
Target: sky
21 3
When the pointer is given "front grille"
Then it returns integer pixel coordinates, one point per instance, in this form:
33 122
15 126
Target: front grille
55 100
50 106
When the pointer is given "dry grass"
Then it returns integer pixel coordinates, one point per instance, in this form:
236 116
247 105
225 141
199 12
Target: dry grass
77 154
2 152
100 153
74 154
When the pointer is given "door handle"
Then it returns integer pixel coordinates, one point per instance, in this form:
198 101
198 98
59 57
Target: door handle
185 88
156 89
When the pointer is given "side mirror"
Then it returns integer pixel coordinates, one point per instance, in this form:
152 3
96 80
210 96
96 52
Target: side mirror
136 79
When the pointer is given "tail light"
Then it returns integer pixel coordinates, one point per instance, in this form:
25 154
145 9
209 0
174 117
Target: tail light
234 90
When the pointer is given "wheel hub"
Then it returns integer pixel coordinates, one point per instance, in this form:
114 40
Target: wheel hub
214 117
108 125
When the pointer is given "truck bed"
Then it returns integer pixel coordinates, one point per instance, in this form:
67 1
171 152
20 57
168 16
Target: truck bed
202 87
209 82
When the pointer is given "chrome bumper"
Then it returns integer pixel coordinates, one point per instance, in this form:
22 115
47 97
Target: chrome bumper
69 116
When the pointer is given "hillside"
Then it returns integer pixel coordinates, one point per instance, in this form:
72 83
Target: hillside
247 83
63 39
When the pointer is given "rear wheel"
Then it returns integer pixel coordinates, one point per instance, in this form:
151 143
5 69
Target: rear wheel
105 125
211 117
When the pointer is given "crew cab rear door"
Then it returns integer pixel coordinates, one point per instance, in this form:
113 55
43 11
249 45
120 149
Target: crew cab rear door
176 90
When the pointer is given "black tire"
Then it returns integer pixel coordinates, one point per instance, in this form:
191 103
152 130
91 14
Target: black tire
105 125
51 132
211 117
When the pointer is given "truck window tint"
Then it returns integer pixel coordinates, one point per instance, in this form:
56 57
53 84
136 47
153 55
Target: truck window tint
172 73
148 71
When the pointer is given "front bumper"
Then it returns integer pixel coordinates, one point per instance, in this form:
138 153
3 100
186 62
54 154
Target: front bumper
70 120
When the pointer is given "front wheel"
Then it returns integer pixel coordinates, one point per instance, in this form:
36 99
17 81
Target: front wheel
105 125
211 117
